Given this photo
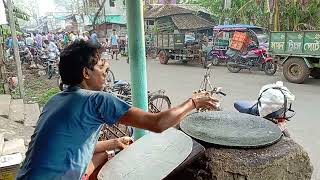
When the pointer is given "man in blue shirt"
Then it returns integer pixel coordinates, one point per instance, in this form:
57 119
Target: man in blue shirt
64 144
94 37
114 44
9 43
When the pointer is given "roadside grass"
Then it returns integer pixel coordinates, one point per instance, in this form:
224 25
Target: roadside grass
37 90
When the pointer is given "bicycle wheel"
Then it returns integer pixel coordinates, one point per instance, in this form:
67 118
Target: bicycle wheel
110 77
158 103
115 131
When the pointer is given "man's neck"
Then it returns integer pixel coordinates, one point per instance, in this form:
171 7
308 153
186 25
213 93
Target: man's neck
83 85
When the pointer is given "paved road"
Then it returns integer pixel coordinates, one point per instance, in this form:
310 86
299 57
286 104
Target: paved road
180 80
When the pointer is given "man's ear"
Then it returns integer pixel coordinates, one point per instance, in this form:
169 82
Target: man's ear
85 73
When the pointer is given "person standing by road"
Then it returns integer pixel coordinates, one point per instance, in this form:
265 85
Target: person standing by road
94 37
114 44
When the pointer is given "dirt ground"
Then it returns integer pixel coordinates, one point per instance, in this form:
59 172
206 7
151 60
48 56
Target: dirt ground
38 88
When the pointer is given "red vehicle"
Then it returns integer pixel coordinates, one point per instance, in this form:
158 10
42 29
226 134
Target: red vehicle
223 40
255 58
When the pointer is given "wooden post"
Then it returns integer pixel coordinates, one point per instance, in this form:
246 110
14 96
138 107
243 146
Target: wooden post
227 5
15 48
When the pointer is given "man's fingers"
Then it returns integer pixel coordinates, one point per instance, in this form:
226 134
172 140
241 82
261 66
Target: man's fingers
122 146
213 105
214 99
126 140
129 140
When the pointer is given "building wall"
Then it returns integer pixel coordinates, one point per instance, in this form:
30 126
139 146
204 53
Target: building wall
118 9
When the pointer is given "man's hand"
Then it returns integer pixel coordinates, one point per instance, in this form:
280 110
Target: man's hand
204 100
123 142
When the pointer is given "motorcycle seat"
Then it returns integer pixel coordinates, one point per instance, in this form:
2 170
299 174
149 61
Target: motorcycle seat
250 54
120 82
251 107
248 107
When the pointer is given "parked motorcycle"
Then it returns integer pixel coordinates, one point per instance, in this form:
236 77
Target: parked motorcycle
269 105
255 58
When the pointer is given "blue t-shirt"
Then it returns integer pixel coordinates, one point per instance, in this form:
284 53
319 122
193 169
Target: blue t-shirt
114 40
66 134
94 38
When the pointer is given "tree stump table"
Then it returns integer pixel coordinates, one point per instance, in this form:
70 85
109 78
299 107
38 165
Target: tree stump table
284 159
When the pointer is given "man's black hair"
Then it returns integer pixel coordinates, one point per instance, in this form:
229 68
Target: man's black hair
74 58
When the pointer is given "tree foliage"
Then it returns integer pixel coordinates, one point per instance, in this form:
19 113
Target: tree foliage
96 15
294 15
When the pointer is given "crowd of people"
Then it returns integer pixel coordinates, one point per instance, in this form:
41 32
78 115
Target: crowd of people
60 40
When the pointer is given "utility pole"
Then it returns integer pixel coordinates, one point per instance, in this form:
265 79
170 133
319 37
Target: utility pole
15 48
227 5
78 7
276 24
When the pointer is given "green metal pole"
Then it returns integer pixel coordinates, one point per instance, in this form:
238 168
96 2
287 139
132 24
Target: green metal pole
137 57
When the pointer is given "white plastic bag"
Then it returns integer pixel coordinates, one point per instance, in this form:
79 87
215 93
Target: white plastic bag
272 98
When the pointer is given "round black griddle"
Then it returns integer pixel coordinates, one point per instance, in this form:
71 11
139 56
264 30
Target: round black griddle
231 129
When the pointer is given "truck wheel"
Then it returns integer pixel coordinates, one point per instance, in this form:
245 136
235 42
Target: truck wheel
295 70
163 57
315 73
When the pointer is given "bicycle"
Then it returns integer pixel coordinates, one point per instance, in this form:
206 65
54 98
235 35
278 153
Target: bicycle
206 85
157 102
110 78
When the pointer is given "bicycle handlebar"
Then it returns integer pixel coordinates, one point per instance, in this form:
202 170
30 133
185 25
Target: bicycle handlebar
208 66
222 93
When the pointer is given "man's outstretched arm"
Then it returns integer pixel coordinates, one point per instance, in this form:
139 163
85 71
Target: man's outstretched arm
158 122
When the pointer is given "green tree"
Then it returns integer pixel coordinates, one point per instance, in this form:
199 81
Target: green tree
284 15
18 14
